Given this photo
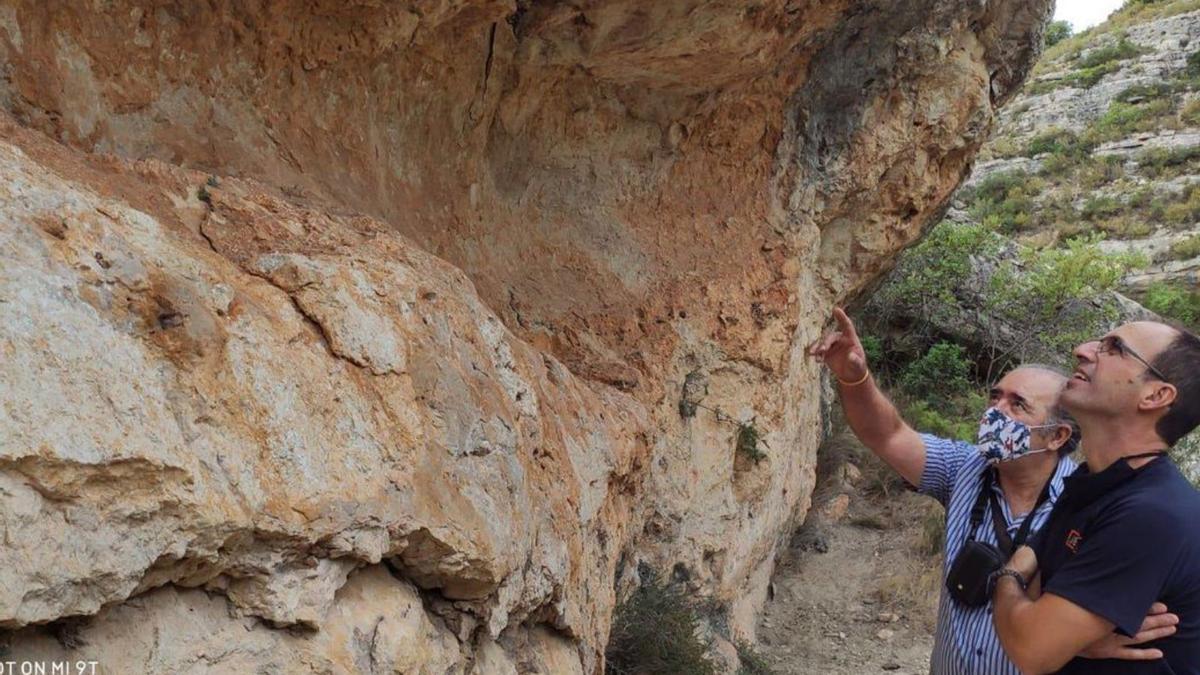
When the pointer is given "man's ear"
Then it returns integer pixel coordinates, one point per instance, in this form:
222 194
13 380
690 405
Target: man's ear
1162 395
1062 434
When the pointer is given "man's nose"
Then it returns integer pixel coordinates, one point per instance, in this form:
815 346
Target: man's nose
1086 352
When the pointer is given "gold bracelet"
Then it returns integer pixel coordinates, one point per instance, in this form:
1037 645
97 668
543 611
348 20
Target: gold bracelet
854 384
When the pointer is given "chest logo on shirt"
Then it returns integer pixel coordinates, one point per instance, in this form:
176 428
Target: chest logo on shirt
1074 537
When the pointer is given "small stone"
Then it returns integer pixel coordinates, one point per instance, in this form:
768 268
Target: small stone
886 634
851 474
890 666
835 509
887 617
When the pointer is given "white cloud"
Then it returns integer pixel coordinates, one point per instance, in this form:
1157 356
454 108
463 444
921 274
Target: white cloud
1085 13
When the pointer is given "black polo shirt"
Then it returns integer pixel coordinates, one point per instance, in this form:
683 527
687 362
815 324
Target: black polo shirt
1116 542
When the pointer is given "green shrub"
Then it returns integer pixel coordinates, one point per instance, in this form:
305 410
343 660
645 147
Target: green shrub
931 269
959 418
1193 64
751 662
1164 163
1005 201
1086 78
1125 227
1186 248
1173 302
1101 206
1102 170
1057 31
943 372
1186 210
1123 119
1056 142
873 347
747 441
657 630
1051 278
1121 50
1039 87
1190 114
1142 92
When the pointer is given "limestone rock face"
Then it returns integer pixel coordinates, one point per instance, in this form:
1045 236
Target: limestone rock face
353 335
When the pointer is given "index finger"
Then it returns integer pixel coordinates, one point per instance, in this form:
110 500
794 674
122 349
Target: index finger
844 323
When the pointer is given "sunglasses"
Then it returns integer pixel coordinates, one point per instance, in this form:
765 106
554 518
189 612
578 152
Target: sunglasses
1112 344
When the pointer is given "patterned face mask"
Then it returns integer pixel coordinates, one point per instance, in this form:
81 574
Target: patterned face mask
1003 439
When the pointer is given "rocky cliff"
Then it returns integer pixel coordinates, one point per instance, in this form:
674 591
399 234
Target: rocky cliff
352 335
1105 138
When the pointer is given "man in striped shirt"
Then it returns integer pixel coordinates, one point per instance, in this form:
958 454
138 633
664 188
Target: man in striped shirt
1025 485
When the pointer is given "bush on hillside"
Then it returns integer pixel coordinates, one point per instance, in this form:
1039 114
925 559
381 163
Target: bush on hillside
1120 50
1056 142
1122 119
1142 92
1186 248
943 371
1169 163
1051 281
1058 31
1173 301
1185 210
1005 201
929 272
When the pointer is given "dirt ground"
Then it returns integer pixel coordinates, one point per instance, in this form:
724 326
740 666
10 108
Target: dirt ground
856 591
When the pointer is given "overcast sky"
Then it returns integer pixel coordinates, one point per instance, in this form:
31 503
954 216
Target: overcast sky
1085 13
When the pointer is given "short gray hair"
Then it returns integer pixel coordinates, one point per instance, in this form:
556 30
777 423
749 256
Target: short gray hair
1058 414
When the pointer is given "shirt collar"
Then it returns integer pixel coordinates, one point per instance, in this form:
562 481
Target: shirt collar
1066 466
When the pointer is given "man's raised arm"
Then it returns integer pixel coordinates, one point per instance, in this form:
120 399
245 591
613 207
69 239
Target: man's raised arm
871 416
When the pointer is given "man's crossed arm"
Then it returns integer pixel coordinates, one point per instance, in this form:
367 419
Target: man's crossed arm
1042 632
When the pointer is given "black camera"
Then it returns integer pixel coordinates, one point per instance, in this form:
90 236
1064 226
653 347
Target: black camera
969 576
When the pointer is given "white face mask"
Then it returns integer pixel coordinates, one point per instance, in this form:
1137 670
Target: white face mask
1003 439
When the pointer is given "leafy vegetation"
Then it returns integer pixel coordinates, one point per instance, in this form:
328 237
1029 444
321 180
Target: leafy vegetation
1121 50
1060 142
942 371
656 630
1122 119
1174 301
1168 163
751 663
747 440
1133 13
1057 31
1186 210
1186 248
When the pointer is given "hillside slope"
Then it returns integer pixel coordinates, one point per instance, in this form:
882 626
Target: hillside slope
1105 137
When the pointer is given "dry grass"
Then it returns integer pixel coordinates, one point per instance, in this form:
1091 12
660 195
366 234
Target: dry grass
913 591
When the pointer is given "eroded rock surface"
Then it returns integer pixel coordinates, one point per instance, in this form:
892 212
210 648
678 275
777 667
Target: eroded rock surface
294 292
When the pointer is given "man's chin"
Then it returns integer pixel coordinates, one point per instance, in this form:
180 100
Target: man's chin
1072 397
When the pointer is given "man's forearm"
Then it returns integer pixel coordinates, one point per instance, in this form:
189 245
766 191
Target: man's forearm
1037 637
871 416
1007 605
878 425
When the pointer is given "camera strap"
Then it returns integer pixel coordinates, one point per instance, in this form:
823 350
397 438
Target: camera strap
1007 544
985 488
986 496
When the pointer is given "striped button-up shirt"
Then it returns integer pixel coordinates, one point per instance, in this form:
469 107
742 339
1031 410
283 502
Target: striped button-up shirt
965 642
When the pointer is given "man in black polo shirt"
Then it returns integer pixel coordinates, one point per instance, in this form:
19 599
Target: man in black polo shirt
1125 532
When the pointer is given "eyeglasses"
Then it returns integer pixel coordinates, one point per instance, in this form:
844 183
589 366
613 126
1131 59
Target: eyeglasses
1111 344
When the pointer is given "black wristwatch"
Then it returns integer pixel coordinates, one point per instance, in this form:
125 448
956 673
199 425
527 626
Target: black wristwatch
1006 572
